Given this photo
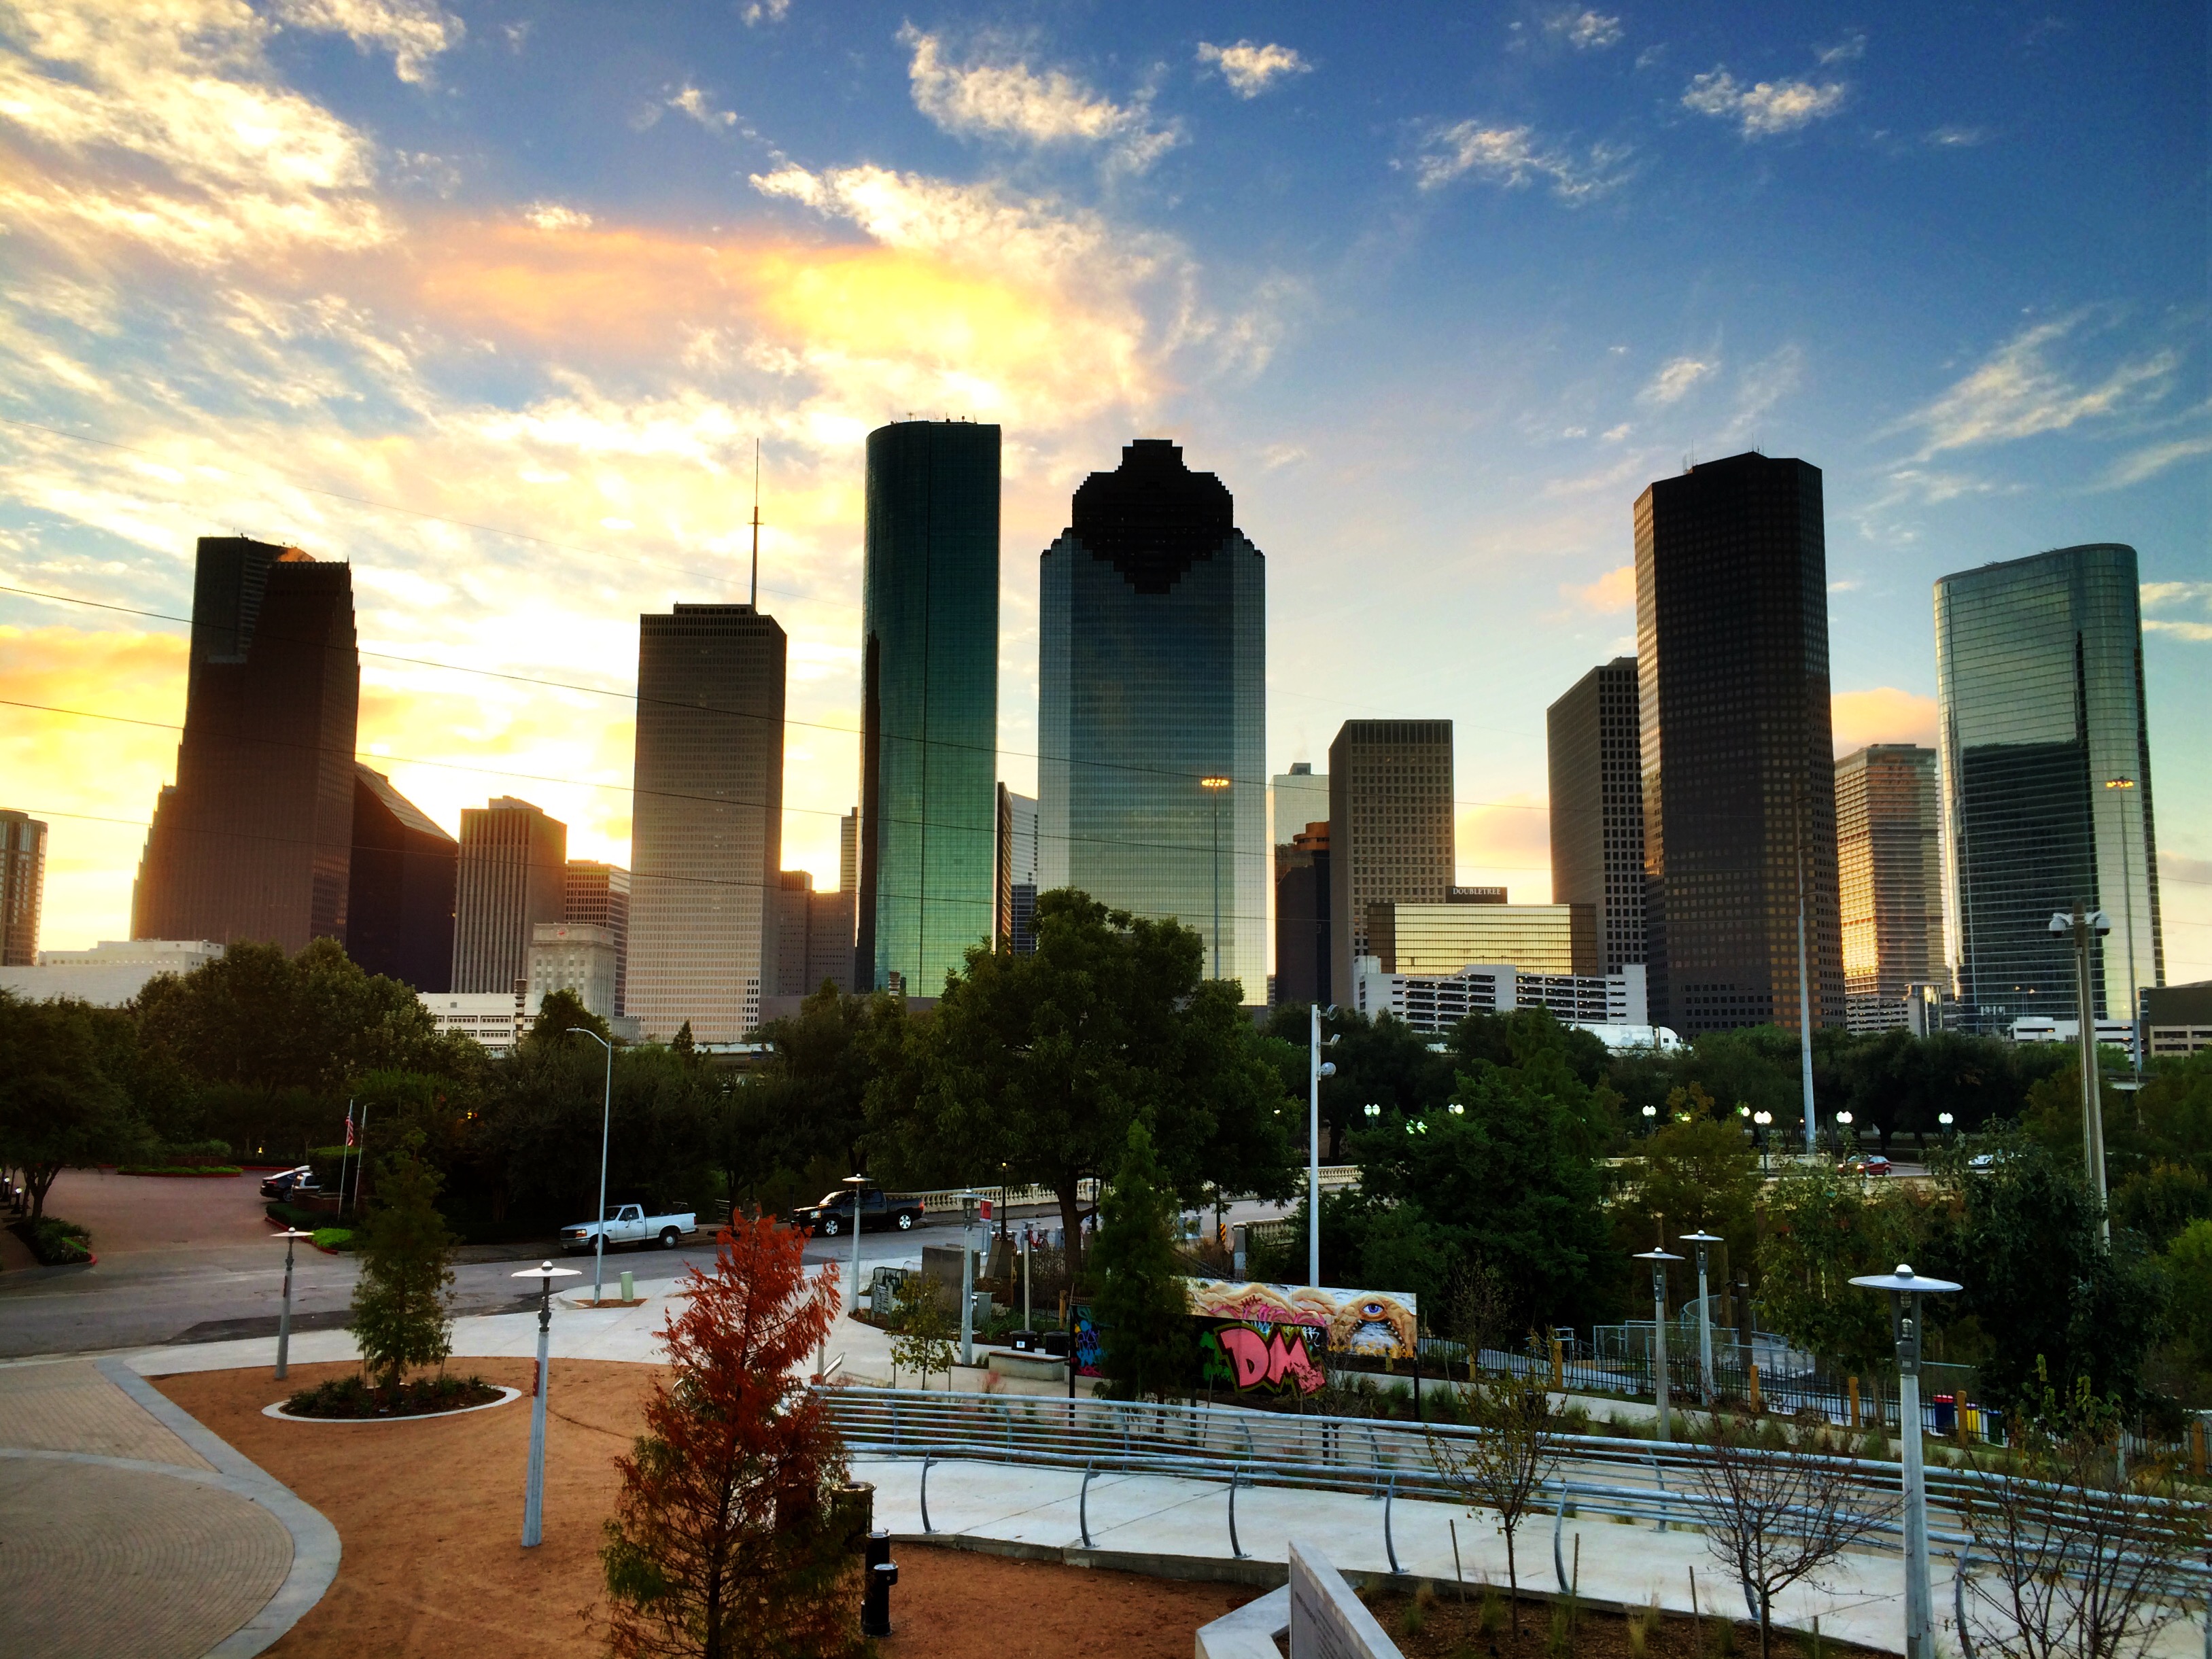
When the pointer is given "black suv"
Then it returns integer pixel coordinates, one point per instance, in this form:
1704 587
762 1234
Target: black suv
878 1210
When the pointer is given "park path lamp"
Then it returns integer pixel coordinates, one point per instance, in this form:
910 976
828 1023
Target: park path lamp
967 1206
1701 1238
606 1123
1905 1289
1842 1128
291 1235
1943 1121
2086 927
1457 1109
1213 787
853 1302
2135 1033
1659 1255
1371 1111
533 1492
1759 1121
1317 1069
1650 1119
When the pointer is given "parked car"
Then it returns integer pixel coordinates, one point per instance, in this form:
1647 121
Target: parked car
1867 1164
878 1211
284 1182
628 1223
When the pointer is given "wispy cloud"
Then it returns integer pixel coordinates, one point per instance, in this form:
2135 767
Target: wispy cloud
551 215
1249 68
693 102
1585 31
765 12
1513 157
1674 379
2018 392
1849 50
1764 108
1001 97
2164 597
413 31
2149 462
1958 137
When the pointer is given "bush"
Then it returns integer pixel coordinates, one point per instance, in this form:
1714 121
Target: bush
178 1169
332 1238
355 1397
53 1242
291 1215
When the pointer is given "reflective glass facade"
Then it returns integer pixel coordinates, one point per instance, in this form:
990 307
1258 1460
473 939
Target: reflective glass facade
1597 807
1889 880
929 715
2039 667
1443 939
1151 671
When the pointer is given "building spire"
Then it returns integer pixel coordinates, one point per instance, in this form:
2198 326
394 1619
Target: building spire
756 590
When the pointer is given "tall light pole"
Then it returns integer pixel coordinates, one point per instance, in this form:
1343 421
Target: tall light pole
1761 1119
1213 787
2127 908
1701 1238
1659 1255
284 1315
1315 1072
2087 926
1804 987
966 1279
857 1182
1905 1289
606 1123
533 1492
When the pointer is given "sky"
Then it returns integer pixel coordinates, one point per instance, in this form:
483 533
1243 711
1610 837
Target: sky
495 300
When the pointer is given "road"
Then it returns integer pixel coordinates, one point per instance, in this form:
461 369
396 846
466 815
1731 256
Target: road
192 1260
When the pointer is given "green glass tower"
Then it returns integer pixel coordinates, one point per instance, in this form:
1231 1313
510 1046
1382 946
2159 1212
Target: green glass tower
929 714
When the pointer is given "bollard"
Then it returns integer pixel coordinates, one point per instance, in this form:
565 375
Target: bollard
1753 1369
875 1597
1851 1383
629 1285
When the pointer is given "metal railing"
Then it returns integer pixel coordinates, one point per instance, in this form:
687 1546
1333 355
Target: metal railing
1333 1177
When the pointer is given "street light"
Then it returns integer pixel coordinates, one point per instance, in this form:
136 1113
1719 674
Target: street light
1318 1069
284 1317
967 1206
1944 1120
1650 1119
1659 1255
853 1302
1843 1127
2128 901
1213 787
1905 1289
1371 1110
606 1123
533 1492
2084 925
1701 1238
1761 1119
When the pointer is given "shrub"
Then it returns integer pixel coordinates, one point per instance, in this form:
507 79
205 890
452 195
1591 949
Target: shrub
55 1242
354 1396
332 1238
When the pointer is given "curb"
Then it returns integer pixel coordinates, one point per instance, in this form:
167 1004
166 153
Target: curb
506 1397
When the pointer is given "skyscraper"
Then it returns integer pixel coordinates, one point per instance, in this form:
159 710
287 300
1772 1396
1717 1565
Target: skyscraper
1017 872
706 830
595 894
511 875
1390 838
254 839
2045 761
1889 881
1739 770
23 887
1304 964
929 700
401 887
1296 798
1152 706
1597 807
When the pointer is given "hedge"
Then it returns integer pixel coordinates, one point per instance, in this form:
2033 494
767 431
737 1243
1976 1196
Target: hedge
54 1243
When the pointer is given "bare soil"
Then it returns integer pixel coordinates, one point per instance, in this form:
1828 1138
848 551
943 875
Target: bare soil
1448 1628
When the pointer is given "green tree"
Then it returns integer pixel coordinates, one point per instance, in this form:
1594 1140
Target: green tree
1821 1230
59 1107
1697 1169
399 1303
2188 1265
923 1329
1142 1308
1380 1062
559 1013
808 1103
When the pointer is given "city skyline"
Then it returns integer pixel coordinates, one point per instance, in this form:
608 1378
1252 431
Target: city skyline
1377 282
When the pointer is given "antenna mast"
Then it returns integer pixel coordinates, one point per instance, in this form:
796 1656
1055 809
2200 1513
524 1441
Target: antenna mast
756 593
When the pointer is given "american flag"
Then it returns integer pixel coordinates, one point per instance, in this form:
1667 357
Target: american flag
349 1123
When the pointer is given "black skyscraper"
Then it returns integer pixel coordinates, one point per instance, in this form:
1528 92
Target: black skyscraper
1597 807
1739 770
399 914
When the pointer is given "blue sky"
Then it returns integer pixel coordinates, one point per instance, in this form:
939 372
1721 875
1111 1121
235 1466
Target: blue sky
493 299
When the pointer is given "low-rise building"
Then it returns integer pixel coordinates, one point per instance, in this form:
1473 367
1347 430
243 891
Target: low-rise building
2178 1018
1437 1002
1433 939
112 973
576 958
490 1017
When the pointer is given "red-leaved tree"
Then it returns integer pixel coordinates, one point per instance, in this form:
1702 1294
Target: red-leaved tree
726 1541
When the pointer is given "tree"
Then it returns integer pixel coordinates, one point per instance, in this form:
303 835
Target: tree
1142 1308
808 1103
725 1541
1502 1466
399 1303
1697 1170
562 1012
1822 1229
1776 1517
58 1106
924 1328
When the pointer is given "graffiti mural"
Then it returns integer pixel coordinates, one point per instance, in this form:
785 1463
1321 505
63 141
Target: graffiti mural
1380 1324
1279 1359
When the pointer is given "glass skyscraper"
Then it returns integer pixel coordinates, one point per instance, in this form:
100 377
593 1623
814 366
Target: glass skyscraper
929 713
2046 781
1151 683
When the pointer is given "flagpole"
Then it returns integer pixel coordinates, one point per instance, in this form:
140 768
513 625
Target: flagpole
344 1153
357 1164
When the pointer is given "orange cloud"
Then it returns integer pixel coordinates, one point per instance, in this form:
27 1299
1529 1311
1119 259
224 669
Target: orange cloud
1507 844
1884 715
1613 591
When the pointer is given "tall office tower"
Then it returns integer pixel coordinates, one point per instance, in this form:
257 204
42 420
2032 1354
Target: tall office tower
2046 762
813 938
399 902
595 894
706 830
513 875
1597 807
1389 826
1739 771
23 887
254 839
929 702
1151 708
1889 881
1017 872
1296 799
1304 961
795 895
848 852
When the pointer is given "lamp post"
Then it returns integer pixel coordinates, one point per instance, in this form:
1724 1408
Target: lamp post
968 1204
2087 926
1944 1120
1213 787
606 1123
1317 1069
533 1493
1650 1119
1701 1238
1842 1128
1905 1289
1759 1121
1659 1255
2128 909
853 1302
284 1316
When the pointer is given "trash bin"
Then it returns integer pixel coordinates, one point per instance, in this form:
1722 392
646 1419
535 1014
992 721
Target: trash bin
1055 1344
1946 1414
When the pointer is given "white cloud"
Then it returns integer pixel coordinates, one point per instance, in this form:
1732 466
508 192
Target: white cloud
1249 68
766 11
1585 31
1512 157
1674 380
551 215
1849 50
1766 108
693 102
2150 462
1958 137
2162 596
1763 385
413 31
2017 394
1011 100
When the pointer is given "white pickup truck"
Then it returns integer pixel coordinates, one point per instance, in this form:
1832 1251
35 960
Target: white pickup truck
628 1223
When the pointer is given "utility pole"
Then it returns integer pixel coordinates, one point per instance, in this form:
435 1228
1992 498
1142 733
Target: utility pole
2087 926
1804 990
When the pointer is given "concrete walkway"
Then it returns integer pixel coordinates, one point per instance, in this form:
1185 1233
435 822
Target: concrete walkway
126 1527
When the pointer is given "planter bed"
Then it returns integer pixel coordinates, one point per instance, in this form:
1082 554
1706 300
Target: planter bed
178 1169
348 1399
